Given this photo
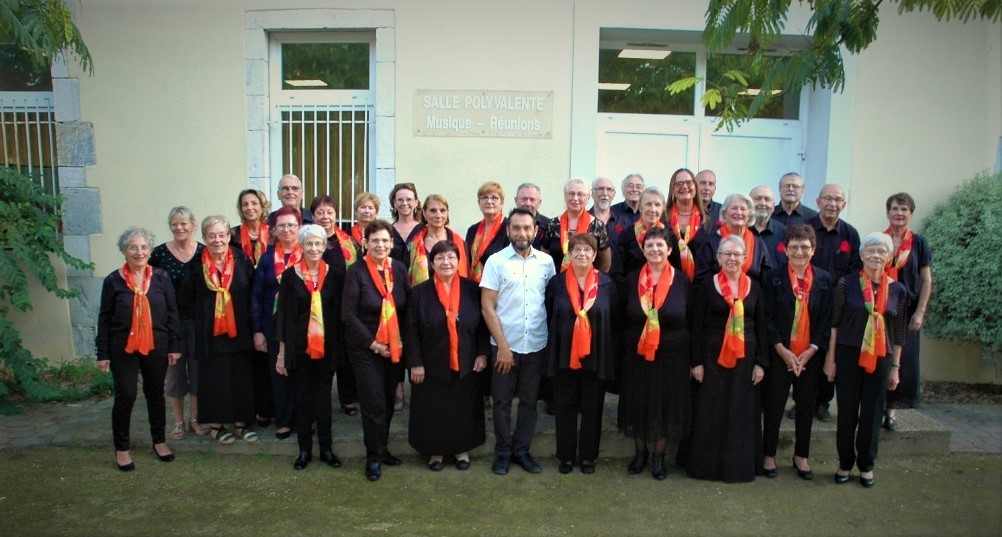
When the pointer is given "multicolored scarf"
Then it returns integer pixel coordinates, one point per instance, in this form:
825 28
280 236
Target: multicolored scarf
652 297
875 335
358 234
418 271
685 236
141 331
254 248
640 230
315 329
900 257
449 298
733 347
800 332
224 321
388 331
584 221
482 239
749 239
581 337
348 250
281 264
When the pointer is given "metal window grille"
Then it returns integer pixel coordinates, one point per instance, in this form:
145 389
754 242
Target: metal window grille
328 147
28 136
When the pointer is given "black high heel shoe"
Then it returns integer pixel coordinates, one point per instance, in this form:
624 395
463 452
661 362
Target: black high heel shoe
658 470
638 463
163 458
867 482
806 475
841 479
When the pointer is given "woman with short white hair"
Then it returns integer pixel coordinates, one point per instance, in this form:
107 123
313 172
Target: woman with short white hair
736 215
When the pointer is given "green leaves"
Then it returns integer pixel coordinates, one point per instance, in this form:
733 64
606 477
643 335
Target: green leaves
682 84
41 29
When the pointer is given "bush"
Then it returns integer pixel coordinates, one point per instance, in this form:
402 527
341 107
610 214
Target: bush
965 234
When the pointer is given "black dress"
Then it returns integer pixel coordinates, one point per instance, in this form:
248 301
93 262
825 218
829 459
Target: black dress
446 415
910 275
727 423
347 392
655 401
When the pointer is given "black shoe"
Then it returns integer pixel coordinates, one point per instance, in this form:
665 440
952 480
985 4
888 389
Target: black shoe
283 436
841 479
163 458
566 467
436 466
587 467
806 475
823 414
638 463
890 423
331 459
771 473
462 464
390 460
527 463
658 469
501 463
303 460
263 422
350 410
373 470
550 408
126 467
792 413
867 482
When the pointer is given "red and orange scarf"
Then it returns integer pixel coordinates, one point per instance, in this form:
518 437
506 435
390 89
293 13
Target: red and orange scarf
900 257
640 230
347 244
418 271
388 331
652 297
800 332
254 249
482 239
584 221
358 234
449 298
281 264
749 239
224 321
685 236
582 303
874 335
141 331
733 347
315 328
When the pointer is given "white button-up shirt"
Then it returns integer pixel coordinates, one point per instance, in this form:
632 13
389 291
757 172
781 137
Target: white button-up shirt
521 287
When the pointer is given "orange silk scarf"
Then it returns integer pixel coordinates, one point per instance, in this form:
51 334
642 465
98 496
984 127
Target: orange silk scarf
900 257
584 221
449 298
482 239
388 331
348 250
280 263
652 297
581 337
733 347
641 231
254 249
315 328
141 332
224 321
418 271
874 335
685 236
800 332
749 239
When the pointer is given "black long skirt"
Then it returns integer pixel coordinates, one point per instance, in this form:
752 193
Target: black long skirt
225 388
447 417
654 398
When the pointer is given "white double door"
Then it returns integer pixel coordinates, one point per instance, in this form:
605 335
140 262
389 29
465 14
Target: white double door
759 152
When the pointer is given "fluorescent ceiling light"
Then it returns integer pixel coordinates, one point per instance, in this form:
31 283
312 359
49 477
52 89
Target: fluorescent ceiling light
756 91
645 53
306 83
612 86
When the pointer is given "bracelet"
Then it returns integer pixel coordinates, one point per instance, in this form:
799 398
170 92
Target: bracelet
895 366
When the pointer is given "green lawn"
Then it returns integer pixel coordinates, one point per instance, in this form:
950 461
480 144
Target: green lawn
78 491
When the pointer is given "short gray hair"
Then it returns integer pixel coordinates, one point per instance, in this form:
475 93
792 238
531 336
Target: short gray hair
311 230
655 191
575 181
212 220
735 240
747 201
131 233
631 176
527 185
876 238
183 212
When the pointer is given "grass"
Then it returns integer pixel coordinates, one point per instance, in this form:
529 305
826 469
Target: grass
77 491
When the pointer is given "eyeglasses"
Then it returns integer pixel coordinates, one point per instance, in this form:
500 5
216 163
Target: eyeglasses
286 226
603 189
576 194
290 188
138 248
730 255
797 248
445 257
314 244
490 197
792 186
830 199
680 182
581 250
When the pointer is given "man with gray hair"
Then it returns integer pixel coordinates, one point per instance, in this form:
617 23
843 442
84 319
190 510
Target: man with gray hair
528 196
706 185
290 192
602 192
766 227
790 211
575 219
627 212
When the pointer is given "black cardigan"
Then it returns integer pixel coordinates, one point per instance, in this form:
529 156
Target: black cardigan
426 340
115 318
204 304
361 303
294 316
780 304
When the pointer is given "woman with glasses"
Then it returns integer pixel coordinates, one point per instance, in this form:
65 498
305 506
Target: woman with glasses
488 236
736 214
138 332
729 360
434 228
687 220
869 319
285 254
405 207
366 208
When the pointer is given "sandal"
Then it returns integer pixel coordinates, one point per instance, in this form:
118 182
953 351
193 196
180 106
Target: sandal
178 432
351 410
244 434
221 435
398 403
196 428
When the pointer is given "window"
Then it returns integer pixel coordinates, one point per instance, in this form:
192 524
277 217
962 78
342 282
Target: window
27 119
786 107
637 86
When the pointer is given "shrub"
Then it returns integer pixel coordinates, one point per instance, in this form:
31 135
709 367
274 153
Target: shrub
965 234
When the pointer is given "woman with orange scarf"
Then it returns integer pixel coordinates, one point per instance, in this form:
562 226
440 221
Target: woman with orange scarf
219 287
138 332
628 255
580 303
730 356
736 214
654 402
434 228
445 344
797 303
488 236
869 319
373 309
312 343
687 220
365 208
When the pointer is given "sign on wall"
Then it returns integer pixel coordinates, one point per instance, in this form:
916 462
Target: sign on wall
486 113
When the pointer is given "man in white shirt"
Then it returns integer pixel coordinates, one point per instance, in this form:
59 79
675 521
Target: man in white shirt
512 300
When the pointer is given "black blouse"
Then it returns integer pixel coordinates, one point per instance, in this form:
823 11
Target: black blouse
497 244
204 305
294 316
849 314
673 318
400 252
426 339
162 258
910 275
710 322
707 265
602 316
114 320
361 303
780 303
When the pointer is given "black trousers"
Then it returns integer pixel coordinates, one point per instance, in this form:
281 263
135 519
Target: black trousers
281 390
376 378
577 391
311 385
861 398
125 370
264 399
347 391
522 381
777 389
825 393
